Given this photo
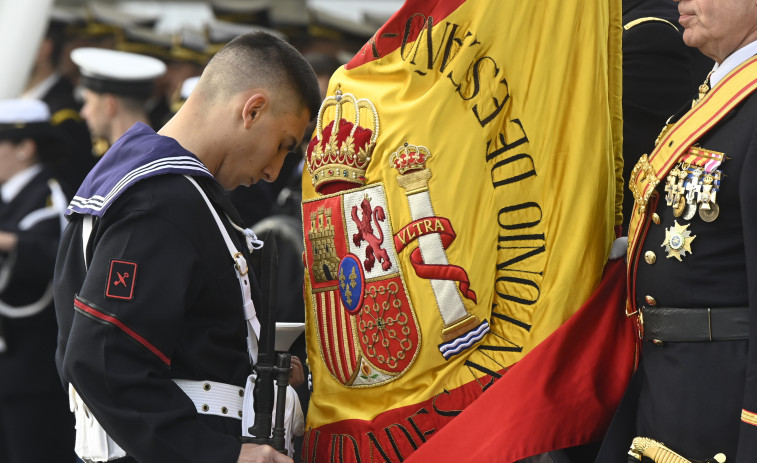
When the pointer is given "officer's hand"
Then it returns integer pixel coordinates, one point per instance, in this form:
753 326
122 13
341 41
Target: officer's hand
297 374
254 453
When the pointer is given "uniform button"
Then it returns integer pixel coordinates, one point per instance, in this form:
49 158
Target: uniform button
650 257
650 300
656 218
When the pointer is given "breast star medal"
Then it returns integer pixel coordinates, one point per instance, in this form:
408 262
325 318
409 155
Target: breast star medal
678 240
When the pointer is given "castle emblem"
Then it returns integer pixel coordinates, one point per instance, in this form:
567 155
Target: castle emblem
368 333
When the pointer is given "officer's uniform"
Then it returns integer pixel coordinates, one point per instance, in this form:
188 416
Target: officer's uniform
659 73
156 300
692 279
33 405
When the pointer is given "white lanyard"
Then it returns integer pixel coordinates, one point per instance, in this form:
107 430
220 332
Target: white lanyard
241 268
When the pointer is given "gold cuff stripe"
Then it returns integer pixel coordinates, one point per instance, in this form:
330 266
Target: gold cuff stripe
749 417
636 22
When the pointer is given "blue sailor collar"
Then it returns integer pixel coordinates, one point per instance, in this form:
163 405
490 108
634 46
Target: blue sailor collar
139 154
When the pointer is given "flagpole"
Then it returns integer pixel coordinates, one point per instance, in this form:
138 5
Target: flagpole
22 26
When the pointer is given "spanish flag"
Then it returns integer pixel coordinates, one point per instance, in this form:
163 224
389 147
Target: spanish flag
459 204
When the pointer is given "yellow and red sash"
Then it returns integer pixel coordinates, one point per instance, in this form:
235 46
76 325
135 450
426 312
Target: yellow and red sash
675 143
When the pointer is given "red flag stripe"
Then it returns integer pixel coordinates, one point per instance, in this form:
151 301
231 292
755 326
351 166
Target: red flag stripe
404 27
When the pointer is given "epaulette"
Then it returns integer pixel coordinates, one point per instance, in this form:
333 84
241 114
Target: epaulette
63 115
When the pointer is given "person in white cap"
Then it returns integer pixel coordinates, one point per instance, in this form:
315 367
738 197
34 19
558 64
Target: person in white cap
33 402
117 85
155 295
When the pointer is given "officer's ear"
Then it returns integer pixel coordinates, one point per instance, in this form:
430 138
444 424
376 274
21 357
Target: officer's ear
253 108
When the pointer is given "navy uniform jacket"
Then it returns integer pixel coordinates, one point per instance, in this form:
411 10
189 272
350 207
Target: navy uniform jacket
64 110
690 395
660 73
178 314
27 367
693 392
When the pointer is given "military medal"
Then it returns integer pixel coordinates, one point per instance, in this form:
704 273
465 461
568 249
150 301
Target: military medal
708 208
692 185
679 206
678 240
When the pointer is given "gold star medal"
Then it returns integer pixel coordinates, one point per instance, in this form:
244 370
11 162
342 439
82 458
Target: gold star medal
678 240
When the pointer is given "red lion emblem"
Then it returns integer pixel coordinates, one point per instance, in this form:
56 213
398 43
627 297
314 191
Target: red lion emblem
365 233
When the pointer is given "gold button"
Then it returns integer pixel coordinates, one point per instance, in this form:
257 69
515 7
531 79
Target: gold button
205 408
650 300
241 393
650 257
656 218
224 410
206 386
240 413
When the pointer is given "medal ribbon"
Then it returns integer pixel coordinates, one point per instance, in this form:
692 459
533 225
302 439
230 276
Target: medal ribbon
675 143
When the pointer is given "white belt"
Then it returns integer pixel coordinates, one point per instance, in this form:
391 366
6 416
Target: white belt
212 398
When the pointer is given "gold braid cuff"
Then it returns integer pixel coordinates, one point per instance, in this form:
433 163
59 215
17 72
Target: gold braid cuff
749 417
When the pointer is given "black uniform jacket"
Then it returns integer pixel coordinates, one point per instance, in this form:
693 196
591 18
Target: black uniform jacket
27 366
159 300
691 394
77 160
660 73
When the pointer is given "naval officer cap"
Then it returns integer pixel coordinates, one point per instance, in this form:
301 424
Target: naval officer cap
22 118
117 72
29 118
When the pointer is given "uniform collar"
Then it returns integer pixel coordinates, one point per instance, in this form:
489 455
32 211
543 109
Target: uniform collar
140 153
15 184
732 62
39 91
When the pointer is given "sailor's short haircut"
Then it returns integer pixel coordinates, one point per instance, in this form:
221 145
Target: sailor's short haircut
259 59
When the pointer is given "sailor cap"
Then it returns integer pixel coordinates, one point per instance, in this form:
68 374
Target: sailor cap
20 112
118 72
26 118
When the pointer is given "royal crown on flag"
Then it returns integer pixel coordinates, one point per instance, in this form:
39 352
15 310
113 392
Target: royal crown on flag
345 135
409 157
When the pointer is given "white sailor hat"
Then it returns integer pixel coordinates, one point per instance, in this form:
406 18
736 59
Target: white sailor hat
117 72
24 118
27 118
20 112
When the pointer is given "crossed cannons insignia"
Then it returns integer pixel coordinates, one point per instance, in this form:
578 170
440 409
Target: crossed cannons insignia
367 327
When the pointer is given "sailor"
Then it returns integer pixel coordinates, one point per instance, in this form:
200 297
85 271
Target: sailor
116 87
35 424
157 301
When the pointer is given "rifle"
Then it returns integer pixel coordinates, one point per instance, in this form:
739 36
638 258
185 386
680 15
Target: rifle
271 365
